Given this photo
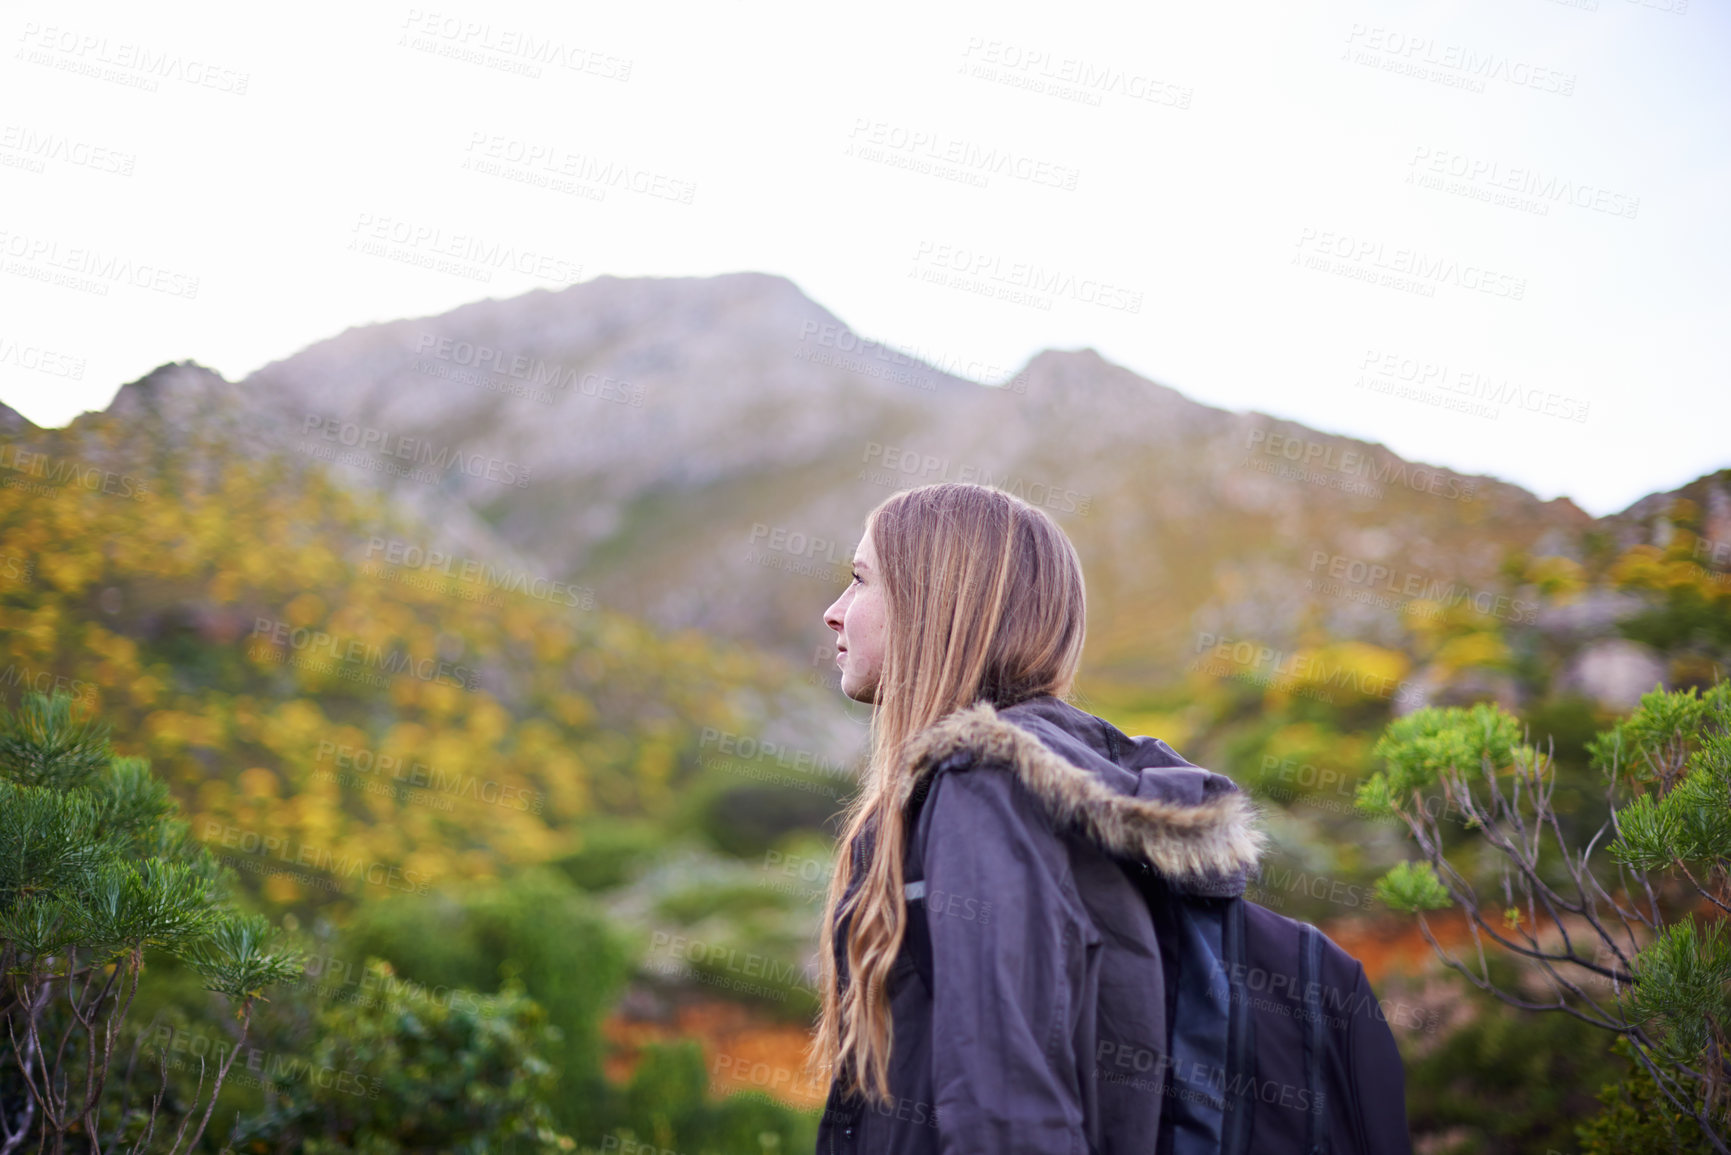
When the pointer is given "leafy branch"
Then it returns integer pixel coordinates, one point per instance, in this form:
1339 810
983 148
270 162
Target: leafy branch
1613 934
95 871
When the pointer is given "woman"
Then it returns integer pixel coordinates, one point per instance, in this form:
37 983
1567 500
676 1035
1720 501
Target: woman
1027 943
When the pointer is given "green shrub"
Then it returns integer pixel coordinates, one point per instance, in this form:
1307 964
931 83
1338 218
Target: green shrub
611 852
1637 1120
536 925
402 1071
1504 1082
1622 908
96 873
666 1105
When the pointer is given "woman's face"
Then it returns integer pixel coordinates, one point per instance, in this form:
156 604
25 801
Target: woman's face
857 617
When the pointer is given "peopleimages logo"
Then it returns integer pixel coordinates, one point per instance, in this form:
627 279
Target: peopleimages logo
1296 670
1541 188
40 360
1322 456
124 61
48 473
362 765
1377 576
37 148
1401 267
1066 77
468 255
522 49
971 162
184 1050
543 162
1456 65
366 439
402 559
88 269
307 644
318 858
539 373
900 465
745 748
24 678
1423 373
1020 282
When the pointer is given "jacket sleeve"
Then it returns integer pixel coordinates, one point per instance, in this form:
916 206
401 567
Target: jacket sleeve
1007 953
1378 1076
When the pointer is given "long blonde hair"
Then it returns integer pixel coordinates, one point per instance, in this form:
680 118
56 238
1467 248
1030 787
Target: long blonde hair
983 599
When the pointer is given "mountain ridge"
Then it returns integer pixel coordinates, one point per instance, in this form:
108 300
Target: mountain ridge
662 440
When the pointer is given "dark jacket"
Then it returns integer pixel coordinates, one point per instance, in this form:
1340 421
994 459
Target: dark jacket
1082 975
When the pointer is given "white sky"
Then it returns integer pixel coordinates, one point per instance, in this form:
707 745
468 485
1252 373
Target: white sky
1297 142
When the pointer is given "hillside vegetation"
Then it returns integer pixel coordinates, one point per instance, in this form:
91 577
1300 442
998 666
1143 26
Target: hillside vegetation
582 735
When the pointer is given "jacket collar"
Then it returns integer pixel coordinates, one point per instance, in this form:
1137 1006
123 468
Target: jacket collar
1134 797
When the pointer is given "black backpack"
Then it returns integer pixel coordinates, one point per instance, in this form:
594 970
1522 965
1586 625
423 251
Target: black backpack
1276 1043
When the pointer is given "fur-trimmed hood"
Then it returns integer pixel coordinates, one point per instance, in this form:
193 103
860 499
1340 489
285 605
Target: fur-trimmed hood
1135 797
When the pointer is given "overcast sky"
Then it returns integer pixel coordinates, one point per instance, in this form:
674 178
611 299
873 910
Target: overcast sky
1490 235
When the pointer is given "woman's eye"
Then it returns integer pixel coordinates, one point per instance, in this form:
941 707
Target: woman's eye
856 576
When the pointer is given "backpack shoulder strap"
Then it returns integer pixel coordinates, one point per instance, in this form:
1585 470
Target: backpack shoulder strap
1310 985
1240 1033
917 935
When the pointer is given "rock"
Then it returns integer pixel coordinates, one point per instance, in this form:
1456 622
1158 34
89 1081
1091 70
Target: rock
1614 672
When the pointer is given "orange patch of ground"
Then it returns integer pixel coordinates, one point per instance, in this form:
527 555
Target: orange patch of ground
1385 945
742 1050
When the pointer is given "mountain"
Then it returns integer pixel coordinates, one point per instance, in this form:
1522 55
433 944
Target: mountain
1707 503
240 573
13 423
701 453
